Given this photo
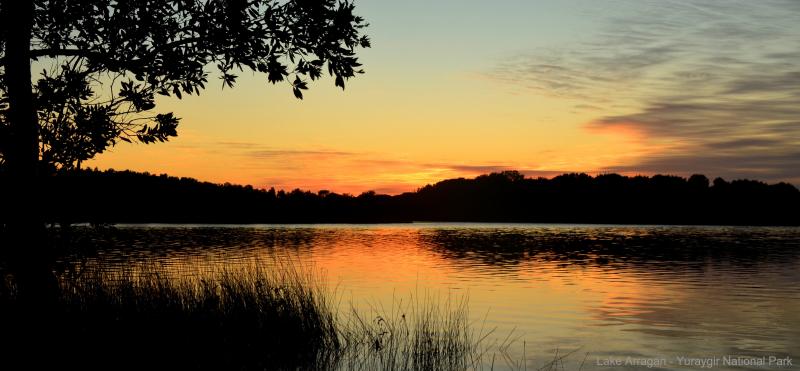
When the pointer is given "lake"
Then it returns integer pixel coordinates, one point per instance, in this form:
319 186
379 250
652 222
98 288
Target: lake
617 297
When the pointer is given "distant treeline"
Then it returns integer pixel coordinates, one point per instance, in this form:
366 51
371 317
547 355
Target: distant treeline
131 197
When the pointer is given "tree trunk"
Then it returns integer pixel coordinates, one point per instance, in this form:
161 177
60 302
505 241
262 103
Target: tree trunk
26 245
27 251
23 152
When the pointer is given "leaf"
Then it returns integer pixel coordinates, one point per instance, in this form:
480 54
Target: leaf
177 91
168 48
340 81
300 84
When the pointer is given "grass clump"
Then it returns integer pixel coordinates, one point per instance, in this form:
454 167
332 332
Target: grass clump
423 334
157 318
250 316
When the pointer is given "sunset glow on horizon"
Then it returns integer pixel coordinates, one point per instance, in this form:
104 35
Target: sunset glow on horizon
463 88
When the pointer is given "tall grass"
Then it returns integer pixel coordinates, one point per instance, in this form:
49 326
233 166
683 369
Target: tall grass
145 318
252 317
422 334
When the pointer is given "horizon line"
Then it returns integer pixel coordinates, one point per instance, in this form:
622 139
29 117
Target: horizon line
375 191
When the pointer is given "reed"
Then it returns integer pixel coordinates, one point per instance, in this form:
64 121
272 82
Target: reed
425 333
251 316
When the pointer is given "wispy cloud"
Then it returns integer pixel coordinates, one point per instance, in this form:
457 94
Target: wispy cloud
314 168
283 153
718 82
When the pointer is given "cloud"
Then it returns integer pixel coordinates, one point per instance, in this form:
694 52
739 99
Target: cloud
260 151
717 84
480 169
315 168
282 153
240 145
368 171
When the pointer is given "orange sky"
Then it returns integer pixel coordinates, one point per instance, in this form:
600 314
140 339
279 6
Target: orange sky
465 88
368 138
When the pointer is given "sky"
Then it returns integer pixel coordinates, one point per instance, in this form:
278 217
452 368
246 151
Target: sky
459 88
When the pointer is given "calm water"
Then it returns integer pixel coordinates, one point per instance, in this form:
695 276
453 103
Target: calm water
649 293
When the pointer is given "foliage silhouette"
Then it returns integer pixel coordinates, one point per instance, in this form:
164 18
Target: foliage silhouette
105 61
90 196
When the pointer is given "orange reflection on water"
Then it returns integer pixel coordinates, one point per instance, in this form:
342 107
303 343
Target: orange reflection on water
551 286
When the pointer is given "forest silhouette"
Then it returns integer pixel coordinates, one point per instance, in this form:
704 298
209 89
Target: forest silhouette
93 196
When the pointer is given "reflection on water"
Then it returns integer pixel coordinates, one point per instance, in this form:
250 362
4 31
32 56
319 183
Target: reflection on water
612 291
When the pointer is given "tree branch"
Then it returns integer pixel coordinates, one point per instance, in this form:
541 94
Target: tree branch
54 52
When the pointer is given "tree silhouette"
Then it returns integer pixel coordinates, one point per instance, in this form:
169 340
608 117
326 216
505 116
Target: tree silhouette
103 62
499 197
